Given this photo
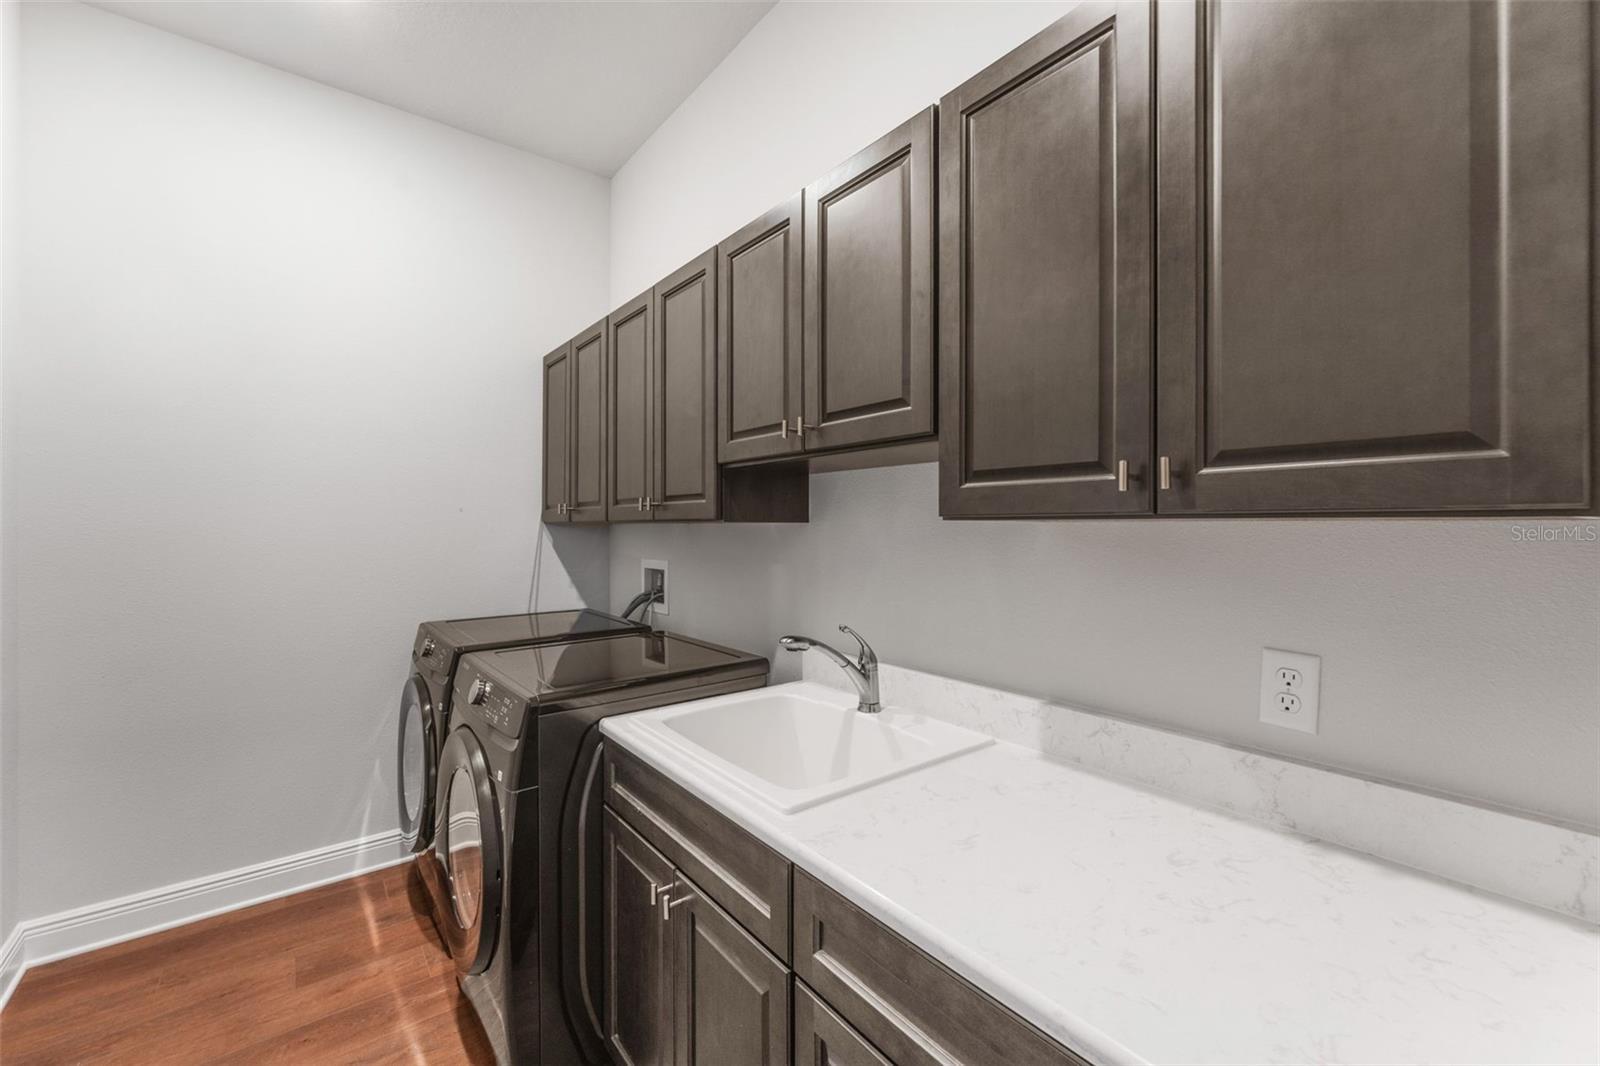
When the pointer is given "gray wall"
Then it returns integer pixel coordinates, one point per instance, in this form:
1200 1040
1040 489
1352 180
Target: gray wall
10 89
1455 657
251 305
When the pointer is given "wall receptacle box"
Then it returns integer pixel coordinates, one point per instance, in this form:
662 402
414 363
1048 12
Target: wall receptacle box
653 574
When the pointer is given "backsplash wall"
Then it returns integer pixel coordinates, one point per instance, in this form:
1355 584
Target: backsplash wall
1456 657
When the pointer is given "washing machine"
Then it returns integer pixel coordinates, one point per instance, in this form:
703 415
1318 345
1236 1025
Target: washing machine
514 869
425 699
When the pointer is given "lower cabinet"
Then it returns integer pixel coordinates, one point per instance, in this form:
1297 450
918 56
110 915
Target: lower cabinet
695 970
638 952
684 983
730 996
822 1038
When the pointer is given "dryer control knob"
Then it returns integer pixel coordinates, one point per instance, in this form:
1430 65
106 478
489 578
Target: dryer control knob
480 692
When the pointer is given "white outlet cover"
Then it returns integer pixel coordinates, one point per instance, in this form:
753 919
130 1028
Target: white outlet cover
1309 690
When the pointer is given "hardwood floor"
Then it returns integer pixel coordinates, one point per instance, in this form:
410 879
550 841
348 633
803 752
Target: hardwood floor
352 972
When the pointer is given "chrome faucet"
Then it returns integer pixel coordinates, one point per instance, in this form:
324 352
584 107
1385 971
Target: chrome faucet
863 674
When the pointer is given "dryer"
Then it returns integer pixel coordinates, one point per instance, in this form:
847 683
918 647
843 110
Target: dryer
425 699
514 870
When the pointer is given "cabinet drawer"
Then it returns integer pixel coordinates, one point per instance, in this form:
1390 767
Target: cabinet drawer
904 1002
822 1038
742 875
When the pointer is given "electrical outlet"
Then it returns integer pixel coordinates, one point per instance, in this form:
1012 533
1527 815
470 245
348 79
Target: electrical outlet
1290 686
653 575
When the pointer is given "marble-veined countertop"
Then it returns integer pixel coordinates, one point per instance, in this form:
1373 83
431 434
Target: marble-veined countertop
1136 928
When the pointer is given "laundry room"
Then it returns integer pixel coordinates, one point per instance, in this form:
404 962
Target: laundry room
750 533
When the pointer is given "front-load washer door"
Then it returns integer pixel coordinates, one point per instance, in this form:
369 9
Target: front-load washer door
466 844
419 760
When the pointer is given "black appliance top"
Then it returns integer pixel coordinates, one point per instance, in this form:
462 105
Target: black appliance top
498 631
504 688
554 673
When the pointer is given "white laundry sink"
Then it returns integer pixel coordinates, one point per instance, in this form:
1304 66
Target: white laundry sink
794 746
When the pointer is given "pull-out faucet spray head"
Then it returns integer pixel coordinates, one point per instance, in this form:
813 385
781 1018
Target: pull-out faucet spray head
863 674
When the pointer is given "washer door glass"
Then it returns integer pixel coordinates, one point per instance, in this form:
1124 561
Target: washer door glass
417 766
465 867
465 861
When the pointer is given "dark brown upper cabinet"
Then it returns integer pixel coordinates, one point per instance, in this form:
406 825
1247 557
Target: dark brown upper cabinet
663 399
574 429
759 338
557 442
869 327
1374 256
685 385
629 410
1045 275
588 437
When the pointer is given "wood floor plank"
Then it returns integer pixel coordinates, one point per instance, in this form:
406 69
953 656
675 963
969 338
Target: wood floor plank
348 972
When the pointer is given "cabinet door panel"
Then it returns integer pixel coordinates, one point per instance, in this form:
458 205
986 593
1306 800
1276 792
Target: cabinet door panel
686 392
557 421
731 998
1391 314
1045 274
822 1038
759 336
869 293
638 947
588 465
630 411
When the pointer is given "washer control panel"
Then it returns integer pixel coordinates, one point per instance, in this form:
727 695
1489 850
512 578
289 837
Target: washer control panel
491 701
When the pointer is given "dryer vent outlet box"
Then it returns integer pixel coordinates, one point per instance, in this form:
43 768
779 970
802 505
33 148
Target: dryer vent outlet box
653 575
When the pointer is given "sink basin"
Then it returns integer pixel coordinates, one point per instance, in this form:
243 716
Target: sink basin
794 746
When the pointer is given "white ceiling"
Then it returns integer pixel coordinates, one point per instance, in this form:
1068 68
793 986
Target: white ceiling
582 83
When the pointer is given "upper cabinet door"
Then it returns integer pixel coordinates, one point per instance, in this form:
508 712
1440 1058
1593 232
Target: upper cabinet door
629 410
869 327
588 465
1375 225
758 337
1045 275
685 376
557 421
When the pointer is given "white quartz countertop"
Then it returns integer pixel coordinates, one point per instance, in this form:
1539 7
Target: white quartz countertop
1136 928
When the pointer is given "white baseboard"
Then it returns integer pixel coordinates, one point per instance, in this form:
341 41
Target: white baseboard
11 964
57 936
